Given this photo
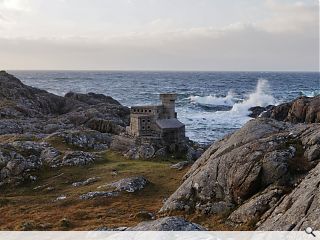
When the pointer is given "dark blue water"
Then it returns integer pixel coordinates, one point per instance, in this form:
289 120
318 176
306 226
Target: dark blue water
211 104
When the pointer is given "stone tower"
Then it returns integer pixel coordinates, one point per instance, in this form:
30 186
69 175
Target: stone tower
168 102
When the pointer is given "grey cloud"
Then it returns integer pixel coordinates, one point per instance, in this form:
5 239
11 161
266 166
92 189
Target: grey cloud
246 49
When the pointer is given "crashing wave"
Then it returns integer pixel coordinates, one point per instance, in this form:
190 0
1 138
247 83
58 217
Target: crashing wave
310 93
213 100
260 97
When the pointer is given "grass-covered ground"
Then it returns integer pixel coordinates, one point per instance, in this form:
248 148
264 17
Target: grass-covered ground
37 209
24 208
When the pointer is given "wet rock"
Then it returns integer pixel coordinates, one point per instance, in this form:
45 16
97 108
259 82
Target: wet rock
131 184
91 195
167 224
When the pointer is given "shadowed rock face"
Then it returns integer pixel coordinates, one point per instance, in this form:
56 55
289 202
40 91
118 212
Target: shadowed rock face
251 169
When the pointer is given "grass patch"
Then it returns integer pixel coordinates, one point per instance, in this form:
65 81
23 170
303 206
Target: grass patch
36 201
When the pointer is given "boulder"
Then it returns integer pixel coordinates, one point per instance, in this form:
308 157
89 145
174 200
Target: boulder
50 155
167 224
131 184
146 151
85 182
76 158
91 195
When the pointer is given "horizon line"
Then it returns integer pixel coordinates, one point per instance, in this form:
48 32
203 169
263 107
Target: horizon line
137 70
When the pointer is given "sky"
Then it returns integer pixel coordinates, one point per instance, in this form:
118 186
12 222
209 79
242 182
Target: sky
204 35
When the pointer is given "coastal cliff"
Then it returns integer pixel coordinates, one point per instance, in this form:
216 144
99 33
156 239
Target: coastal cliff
71 153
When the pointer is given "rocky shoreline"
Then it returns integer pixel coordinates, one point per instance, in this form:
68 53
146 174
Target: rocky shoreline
265 176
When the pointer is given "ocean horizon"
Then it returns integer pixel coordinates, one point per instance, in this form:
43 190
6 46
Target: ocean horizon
210 103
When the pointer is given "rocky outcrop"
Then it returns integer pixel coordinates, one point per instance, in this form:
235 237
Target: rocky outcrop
85 182
19 160
46 112
131 184
256 111
250 171
297 210
83 139
167 224
76 158
91 195
301 110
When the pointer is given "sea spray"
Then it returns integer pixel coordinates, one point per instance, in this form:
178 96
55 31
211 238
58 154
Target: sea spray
214 100
260 97
228 120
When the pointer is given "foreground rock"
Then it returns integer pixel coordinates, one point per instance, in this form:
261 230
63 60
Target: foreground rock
91 195
85 182
167 224
250 170
298 210
131 184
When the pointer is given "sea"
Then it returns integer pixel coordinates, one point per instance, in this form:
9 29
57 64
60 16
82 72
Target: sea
210 104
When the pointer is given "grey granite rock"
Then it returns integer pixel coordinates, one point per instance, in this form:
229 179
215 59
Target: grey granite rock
131 184
167 224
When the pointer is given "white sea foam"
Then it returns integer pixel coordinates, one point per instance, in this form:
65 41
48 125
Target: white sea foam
310 93
211 124
260 97
213 100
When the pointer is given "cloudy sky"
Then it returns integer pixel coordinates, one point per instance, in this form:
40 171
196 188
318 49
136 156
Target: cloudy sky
217 35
